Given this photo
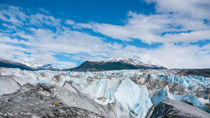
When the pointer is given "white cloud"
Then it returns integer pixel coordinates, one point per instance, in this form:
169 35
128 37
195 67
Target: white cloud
172 56
69 22
39 19
45 42
12 14
68 41
185 25
193 36
113 31
194 8
149 28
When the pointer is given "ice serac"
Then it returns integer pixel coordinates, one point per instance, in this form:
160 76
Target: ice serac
134 98
164 94
103 90
161 95
126 98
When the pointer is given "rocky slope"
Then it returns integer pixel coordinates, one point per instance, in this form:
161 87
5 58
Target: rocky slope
39 102
175 109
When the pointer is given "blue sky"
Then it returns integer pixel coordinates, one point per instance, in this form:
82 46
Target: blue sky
103 11
173 34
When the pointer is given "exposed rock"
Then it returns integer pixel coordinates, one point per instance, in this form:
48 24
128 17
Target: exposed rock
177 89
203 93
39 102
149 113
175 109
154 85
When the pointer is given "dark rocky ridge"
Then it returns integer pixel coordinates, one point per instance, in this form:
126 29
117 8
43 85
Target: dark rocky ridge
197 72
175 109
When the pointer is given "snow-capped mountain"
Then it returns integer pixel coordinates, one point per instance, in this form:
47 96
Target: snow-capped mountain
31 65
104 65
47 67
41 67
11 64
111 64
26 66
114 64
133 61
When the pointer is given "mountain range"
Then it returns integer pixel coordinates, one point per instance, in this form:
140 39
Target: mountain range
111 64
104 65
133 90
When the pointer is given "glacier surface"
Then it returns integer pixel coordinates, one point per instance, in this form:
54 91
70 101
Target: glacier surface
125 93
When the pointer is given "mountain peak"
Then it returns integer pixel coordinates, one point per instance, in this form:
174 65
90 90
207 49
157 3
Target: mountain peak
114 64
132 61
31 64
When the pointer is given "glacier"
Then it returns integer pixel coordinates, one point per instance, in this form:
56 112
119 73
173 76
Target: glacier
121 93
